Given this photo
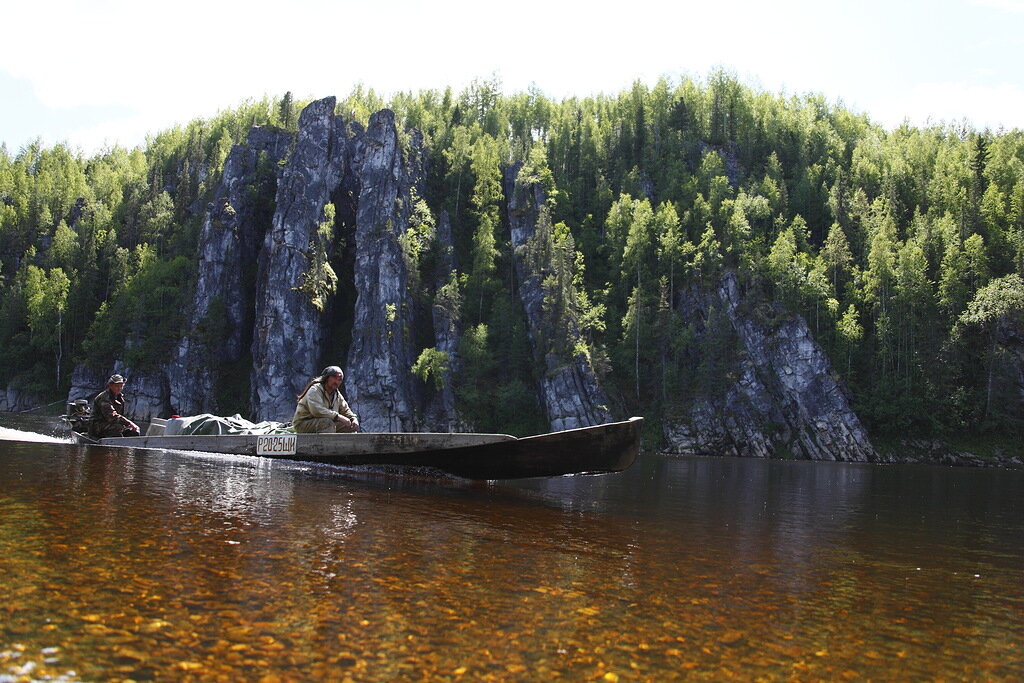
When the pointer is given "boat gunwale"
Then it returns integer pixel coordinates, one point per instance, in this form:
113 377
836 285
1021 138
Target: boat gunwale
133 441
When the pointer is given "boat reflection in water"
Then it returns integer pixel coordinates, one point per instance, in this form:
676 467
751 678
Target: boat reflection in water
147 564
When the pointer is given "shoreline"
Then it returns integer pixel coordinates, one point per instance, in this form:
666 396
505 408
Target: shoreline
902 451
905 452
938 452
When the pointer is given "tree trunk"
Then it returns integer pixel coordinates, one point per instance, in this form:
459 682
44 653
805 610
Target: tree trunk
991 372
636 304
60 347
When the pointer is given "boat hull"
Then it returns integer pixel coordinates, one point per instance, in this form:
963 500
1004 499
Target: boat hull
589 450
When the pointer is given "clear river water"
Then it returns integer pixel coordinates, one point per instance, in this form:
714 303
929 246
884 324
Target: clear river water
156 565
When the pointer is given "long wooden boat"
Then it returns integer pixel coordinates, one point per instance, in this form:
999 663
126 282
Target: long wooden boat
589 450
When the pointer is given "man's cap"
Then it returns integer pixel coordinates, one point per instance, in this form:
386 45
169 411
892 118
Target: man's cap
115 379
331 371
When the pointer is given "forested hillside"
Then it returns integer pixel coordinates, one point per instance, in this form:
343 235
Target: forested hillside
902 250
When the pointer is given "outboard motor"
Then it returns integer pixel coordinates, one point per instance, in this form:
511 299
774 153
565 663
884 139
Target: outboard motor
78 415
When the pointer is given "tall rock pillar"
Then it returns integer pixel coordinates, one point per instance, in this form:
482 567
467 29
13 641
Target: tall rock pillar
289 328
378 377
569 389
232 233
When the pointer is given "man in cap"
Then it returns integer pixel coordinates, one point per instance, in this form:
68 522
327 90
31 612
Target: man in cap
108 417
321 408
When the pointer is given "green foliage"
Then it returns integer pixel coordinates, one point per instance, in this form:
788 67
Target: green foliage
486 202
143 320
449 296
286 114
895 246
417 243
319 281
837 256
432 367
46 296
495 389
990 328
786 268
999 301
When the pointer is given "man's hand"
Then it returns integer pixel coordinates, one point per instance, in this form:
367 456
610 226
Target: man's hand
351 424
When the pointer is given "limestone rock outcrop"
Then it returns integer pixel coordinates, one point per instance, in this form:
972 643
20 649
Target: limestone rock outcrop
289 328
232 233
785 399
379 369
86 382
145 395
569 389
14 399
439 413
368 176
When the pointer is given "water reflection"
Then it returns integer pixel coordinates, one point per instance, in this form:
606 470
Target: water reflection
148 564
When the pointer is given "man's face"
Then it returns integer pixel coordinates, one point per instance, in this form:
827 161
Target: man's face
115 389
332 383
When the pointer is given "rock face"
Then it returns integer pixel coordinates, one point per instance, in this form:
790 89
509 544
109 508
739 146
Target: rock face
145 397
1011 339
232 233
785 398
86 382
369 177
440 414
379 370
13 400
289 329
145 394
569 390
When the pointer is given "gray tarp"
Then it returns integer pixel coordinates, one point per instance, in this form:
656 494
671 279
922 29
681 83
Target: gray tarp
213 425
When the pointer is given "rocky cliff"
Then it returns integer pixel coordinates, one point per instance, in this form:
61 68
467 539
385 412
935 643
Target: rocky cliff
332 287
1010 336
379 370
289 324
16 400
343 196
220 324
568 387
440 413
146 394
367 177
781 398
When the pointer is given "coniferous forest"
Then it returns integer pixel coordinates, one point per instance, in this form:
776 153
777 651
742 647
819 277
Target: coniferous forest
903 250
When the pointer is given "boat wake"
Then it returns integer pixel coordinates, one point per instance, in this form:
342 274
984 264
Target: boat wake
8 434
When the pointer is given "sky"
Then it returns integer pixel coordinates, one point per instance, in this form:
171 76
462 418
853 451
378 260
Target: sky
104 72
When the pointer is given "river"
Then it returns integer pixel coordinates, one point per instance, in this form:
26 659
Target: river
144 565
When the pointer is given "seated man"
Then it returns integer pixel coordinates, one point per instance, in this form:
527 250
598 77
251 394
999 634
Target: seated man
321 408
108 412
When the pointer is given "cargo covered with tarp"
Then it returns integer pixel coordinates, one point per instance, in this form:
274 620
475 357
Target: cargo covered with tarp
214 425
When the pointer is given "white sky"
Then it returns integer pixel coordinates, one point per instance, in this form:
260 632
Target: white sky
106 71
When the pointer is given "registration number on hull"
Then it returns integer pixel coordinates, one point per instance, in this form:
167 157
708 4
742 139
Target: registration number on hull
276 444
